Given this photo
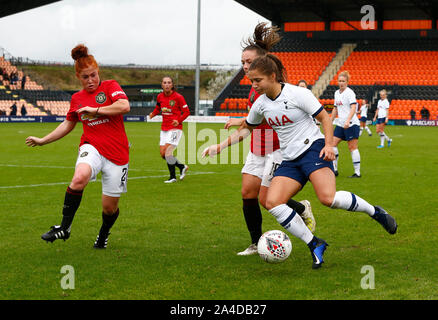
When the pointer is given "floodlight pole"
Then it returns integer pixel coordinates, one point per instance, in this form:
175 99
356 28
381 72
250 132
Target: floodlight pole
198 60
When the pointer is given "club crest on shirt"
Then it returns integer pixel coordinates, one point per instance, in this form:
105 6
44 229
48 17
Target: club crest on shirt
172 103
286 106
100 97
252 97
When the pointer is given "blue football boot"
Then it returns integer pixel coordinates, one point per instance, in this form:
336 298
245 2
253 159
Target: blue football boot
317 247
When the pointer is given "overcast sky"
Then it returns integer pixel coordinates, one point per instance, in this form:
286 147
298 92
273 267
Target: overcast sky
156 32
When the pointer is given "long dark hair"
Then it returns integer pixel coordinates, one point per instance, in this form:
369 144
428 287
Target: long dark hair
269 64
262 40
171 79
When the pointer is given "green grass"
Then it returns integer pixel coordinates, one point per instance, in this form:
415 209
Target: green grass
180 241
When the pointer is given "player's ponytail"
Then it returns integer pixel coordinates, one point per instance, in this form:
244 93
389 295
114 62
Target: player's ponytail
82 58
268 65
263 39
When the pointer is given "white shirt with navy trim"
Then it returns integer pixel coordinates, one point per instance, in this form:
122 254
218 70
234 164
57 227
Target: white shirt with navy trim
291 116
382 107
344 101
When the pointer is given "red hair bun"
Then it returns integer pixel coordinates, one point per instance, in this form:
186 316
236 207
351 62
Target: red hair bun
80 51
82 58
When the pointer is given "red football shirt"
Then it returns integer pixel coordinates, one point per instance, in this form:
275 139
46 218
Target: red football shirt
264 139
171 108
105 133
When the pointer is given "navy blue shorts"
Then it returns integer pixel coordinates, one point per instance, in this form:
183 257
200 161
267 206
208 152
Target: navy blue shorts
301 168
363 119
381 120
347 134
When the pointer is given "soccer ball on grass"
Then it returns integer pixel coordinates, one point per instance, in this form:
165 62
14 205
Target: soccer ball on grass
274 246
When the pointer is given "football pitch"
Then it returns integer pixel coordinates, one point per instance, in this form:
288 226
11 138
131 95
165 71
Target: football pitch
179 241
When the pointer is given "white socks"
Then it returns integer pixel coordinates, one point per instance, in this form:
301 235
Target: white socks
292 222
366 128
355 156
335 162
351 202
383 137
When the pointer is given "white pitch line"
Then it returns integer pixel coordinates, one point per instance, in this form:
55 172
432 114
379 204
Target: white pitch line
129 178
58 167
33 166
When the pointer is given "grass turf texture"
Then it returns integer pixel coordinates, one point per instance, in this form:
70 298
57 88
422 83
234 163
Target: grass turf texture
179 241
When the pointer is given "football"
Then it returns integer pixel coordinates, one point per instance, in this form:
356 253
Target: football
274 246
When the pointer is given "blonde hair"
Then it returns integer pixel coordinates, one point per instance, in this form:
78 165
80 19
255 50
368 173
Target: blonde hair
383 91
345 74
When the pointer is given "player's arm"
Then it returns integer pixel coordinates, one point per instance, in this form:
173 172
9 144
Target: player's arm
241 133
327 126
185 114
333 114
350 115
375 114
121 106
387 114
157 109
234 122
61 131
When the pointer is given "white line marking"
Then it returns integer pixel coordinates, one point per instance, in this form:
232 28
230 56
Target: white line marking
65 183
61 167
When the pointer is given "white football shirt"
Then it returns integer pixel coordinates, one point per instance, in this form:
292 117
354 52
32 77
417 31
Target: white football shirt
364 110
382 107
343 102
290 115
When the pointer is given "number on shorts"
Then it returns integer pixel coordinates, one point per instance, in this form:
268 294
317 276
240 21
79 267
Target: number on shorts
274 167
174 136
125 172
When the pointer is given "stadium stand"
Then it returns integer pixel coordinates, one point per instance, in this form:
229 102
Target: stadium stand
37 101
406 67
303 59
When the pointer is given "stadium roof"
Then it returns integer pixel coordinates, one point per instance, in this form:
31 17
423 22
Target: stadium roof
8 7
280 11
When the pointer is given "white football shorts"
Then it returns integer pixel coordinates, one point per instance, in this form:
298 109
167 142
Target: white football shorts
170 137
114 177
263 167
